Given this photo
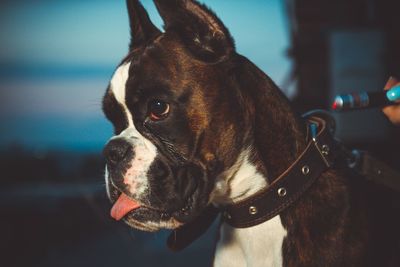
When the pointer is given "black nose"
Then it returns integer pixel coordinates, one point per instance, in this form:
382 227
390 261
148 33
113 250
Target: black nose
115 151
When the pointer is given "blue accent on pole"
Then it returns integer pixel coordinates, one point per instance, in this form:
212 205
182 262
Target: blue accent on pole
313 130
394 93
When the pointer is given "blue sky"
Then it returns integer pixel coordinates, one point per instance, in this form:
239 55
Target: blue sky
95 32
56 57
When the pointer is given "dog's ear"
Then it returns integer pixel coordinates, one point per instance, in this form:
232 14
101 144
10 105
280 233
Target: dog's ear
199 28
142 29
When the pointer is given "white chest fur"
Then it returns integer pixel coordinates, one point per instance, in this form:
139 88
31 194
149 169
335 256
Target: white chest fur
257 246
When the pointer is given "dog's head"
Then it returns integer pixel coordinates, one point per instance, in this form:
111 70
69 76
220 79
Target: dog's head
178 115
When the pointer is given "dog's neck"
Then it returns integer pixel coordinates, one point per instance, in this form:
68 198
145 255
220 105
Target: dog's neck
260 245
278 138
279 133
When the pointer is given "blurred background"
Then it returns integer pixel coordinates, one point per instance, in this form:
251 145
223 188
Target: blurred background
56 59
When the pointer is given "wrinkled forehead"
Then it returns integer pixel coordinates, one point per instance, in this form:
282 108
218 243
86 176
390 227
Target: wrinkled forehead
164 66
138 64
156 66
163 58
164 61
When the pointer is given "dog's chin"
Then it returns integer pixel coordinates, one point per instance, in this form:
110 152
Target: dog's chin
152 220
151 226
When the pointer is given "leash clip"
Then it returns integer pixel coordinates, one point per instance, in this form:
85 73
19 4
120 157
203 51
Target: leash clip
323 150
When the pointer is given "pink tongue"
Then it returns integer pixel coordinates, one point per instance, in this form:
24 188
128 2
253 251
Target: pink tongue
122 206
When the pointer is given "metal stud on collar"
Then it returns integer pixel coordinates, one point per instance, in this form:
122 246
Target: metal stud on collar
282 192
305 170
253 210
325 150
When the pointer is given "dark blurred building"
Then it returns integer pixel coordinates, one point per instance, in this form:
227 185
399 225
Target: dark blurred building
312 26
344 46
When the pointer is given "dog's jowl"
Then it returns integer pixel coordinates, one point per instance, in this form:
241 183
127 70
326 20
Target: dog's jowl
197 126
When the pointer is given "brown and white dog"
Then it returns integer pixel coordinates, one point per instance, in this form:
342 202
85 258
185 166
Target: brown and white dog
198 124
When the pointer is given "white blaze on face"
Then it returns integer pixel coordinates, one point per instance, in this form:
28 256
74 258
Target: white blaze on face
144 151
118 87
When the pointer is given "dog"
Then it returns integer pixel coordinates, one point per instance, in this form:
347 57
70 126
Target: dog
198 125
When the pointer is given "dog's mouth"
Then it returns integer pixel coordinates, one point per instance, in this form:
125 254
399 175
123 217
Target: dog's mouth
123 206
145 217
178 199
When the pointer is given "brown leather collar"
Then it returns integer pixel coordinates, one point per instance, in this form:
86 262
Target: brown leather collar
318 156
290 185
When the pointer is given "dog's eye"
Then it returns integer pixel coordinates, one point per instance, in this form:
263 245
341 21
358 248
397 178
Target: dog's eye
158 110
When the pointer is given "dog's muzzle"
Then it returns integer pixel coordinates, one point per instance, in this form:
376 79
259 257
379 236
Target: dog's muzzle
149 189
